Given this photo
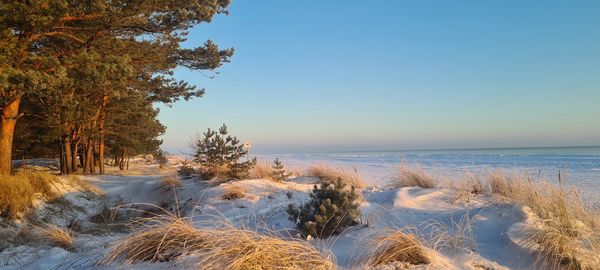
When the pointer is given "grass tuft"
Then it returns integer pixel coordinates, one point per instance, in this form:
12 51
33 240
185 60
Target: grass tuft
329 174
408 176
165 238
262 170
233 193
17 191
565 234
54 236
396 246
170 182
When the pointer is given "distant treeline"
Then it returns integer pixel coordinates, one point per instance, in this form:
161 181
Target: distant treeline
78 79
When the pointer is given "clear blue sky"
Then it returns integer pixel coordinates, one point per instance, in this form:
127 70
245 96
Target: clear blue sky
347 75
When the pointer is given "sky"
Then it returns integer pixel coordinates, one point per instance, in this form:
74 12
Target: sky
314 75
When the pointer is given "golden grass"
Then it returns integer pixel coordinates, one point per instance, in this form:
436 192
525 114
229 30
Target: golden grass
395 246
329 174
262 170
170 182
408 176
458 234
233 193
164 238
54 236
15 196
567 235
41 182
74 180
467 186
17 191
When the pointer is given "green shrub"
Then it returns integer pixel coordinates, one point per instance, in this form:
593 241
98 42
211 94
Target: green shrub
161 158
278 173
186 169
332 208
219 156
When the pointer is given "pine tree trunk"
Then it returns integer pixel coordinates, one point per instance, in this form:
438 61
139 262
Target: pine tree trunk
68 156
8 119
75 155
63 167
101 132
87 168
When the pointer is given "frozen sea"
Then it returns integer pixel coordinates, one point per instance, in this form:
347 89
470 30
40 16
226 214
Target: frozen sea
582 164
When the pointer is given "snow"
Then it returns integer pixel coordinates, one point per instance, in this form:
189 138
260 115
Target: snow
495 225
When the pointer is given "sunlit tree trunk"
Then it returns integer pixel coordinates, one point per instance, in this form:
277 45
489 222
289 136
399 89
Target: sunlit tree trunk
8 119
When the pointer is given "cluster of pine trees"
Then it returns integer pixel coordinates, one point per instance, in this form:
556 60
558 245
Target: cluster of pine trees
78 79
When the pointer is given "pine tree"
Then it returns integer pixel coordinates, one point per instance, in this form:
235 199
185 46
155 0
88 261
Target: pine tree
330 211
219 155
84 54
160 158
279 174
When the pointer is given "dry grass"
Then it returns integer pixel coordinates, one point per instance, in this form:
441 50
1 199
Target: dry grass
41 182
74 180
186 169
17 191
329 174
165 238
262 170
458 234
54 236
233 193
567 235
170 182
408 176
467 186
395 246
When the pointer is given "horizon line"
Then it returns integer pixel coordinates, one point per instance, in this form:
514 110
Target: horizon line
447 149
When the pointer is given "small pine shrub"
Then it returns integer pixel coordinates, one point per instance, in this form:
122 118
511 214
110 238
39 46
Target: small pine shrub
332 209
186 169
279 173
161 158
219 155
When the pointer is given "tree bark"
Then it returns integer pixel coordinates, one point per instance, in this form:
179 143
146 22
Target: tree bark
68 156
101 133
87 168
8 119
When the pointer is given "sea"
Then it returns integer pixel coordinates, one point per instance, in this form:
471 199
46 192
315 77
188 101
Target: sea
578 167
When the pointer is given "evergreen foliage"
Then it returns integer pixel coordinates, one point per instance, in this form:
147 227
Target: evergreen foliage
85 74
161 158
331 209
279 174
219 155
